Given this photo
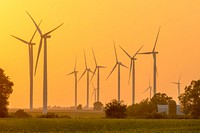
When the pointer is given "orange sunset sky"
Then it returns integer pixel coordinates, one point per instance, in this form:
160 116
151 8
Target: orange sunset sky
96 23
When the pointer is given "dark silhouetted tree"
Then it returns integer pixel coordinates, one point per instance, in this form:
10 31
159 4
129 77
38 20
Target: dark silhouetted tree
190 99
5 91
115 109
145 107
98 106
161 98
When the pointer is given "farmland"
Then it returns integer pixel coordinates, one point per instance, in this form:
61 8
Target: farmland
88 121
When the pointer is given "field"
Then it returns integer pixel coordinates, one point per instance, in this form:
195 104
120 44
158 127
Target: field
89 121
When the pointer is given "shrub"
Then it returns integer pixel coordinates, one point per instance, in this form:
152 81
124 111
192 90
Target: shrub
79 107
49 115
21 114
115 109
98 106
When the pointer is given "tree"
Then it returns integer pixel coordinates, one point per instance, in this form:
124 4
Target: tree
5 91
140 110
115 109
161 98
190 99
98 106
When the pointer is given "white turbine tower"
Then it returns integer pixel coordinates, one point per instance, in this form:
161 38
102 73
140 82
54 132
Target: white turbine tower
43 36
119 64
97 69
178 84
150 90
88 81
30 50
154 63
132 68
75 81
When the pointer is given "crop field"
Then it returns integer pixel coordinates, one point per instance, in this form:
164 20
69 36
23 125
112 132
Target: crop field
95 121
97 125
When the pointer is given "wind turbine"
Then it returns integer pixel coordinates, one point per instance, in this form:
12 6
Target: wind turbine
178 83
132 68
150 89
76 85
30 50
119 64
97 68
153 52
88 81
45 37
94 93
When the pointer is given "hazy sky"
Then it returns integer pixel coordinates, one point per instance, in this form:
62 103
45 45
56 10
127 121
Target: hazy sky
89 23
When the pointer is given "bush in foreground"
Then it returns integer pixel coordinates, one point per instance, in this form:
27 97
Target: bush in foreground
115 109
20 113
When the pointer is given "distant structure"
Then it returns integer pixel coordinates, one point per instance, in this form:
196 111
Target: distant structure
119 64
132 68
97 69
153 52
88 79
150 90
178 84
43 36
75 81
30 50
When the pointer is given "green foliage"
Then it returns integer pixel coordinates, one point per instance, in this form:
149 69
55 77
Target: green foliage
5 91
79 107
98 106
20 114
99 125
144 109
49 115
115 109
190 99
161 98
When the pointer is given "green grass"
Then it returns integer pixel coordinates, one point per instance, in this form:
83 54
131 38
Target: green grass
98 125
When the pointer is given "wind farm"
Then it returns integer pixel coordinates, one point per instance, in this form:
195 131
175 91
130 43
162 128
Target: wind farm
85 81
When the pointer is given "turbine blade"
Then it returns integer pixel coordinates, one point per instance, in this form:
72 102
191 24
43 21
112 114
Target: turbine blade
146 53
123 65
70 73
85 59
93 73
146 90
112 70
20 39
125 52
115 51
137 51
129 77
94 57
82 75
156 39
35 24
179 78
75 64
35 32
93 86
38 55
53 29
92 94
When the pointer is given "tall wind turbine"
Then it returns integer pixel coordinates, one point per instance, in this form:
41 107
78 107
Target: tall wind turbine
76 85
43 36
97 69
30 50
132 68
179 84
153 52
88 79
119 64
150 89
